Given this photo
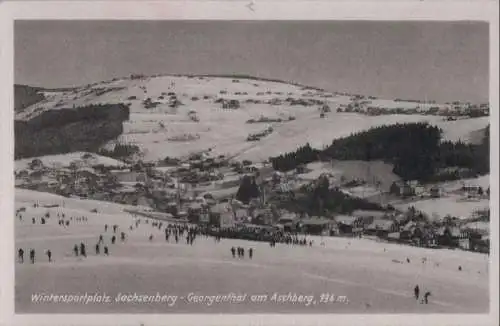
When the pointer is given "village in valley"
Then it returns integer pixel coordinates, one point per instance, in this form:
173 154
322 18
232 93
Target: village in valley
286 173
205 190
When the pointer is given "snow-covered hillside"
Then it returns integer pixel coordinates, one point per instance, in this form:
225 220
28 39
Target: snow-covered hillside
176 116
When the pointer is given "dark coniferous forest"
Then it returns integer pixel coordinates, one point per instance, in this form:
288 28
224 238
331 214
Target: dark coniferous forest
415 150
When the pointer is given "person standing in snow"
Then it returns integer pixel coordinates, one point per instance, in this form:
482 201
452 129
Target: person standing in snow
75 250
416 292
83 252
426 297
20 254
32 256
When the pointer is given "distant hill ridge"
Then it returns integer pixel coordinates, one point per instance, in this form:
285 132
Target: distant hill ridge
177 115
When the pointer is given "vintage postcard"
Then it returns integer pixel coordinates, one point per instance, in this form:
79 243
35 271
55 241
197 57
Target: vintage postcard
176 163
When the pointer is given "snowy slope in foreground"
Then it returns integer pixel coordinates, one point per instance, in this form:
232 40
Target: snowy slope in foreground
200 122
367 272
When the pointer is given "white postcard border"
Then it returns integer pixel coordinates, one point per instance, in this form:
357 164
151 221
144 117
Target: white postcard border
229 10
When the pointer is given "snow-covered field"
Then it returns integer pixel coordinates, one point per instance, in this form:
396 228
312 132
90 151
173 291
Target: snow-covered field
453 203
172 131
374 277
372 172
450 205
465 130
482 181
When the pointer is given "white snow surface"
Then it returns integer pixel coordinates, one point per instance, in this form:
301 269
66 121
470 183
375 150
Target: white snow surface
454 205
374 276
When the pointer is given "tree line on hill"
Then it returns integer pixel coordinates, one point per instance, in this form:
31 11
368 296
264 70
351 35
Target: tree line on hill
120 151
316 199
248 189
415 150
320 199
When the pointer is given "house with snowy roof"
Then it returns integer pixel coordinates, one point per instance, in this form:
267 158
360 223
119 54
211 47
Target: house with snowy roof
381 228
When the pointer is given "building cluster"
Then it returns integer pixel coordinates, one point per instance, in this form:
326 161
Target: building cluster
451 110
188 190
410 227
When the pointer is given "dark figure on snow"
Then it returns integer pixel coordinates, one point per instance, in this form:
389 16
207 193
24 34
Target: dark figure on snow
105 228
97 249
151 237
250 253
176 238
416 292
233 251
100 238
106 250
242 252
49 255
130 228
20 254
83 252
75 250
32 256
408 260
460 268
426 297
122 236
67 223
113 239
33 220
43 220
166 236
114 228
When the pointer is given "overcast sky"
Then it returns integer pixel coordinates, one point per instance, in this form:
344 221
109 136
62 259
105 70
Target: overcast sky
413 60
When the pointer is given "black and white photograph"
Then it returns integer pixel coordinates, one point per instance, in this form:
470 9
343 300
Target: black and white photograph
251 167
